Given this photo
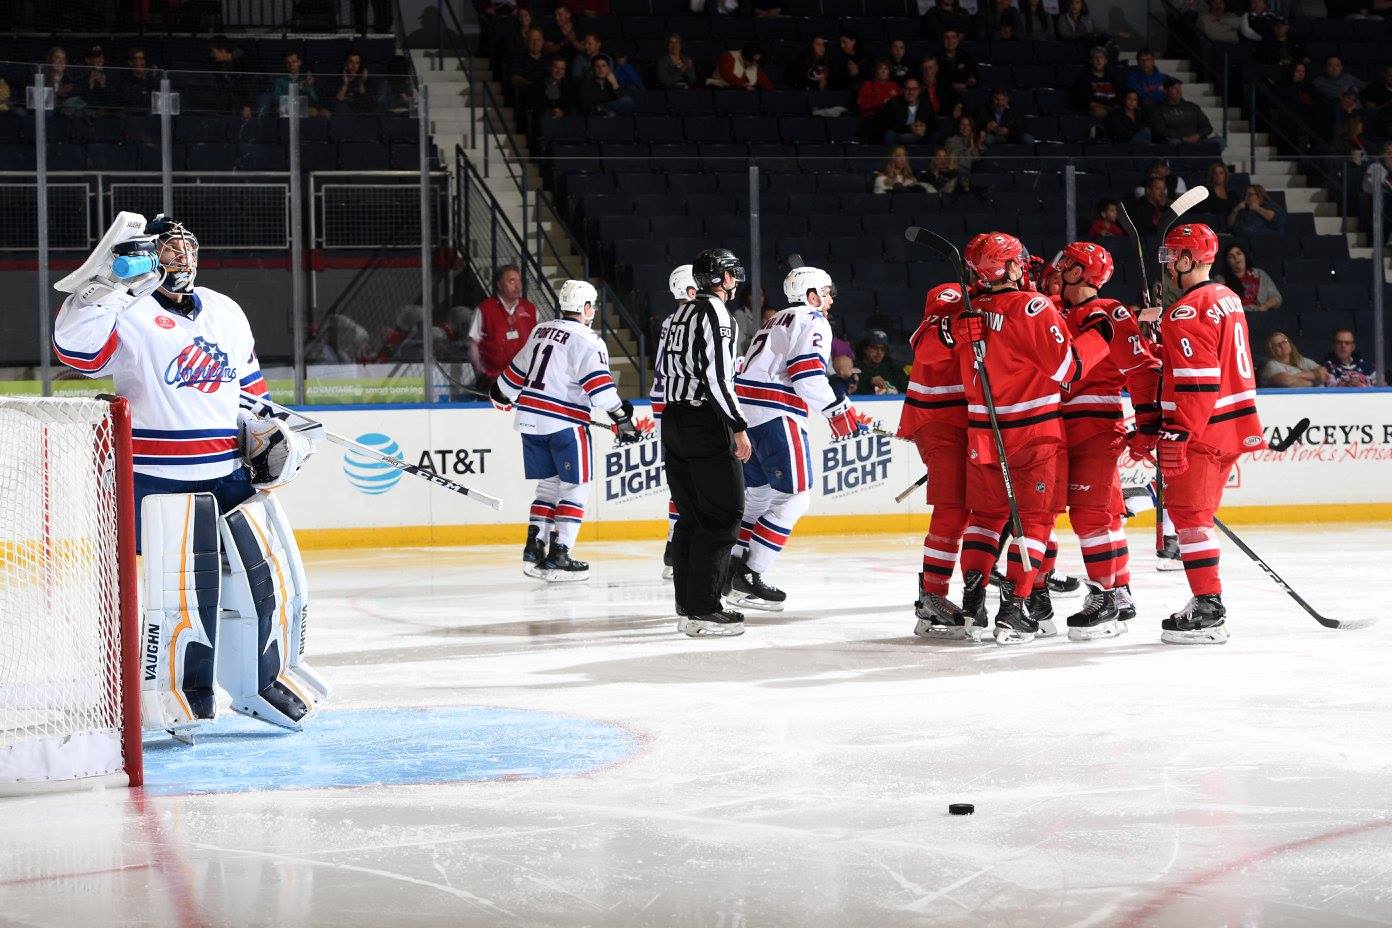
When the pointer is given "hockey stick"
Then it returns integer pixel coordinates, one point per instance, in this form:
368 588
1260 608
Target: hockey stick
267 407
916 484
922 236
886 433
488 399
1292 436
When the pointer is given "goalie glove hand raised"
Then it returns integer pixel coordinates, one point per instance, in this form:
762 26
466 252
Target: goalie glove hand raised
274 452
624 430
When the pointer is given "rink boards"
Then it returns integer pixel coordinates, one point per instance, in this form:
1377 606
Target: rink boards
1339 471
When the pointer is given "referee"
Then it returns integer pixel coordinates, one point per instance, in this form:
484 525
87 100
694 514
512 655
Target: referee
704 442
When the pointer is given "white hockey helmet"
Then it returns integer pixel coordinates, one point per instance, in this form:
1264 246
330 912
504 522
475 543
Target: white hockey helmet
679 282
802 279
580 298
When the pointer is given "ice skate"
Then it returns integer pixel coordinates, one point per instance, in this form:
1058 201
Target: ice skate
1064 585
1126 606
1097 619
1013 623
1041 611
938 617
1167 558
723 624
748 589
976 624
1199 622
533 553
667 562
560 567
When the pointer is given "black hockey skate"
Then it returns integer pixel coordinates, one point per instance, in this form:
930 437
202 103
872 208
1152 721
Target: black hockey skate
1168 558
723 624
560 567
749 590
1199 622
1063 584
1098 617
938 618
1013 622
976 624
1041 611
533 553
1126 606
667 562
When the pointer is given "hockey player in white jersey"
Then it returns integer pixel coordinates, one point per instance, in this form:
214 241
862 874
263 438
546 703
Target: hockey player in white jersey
683 288
783 377
225 597
561 373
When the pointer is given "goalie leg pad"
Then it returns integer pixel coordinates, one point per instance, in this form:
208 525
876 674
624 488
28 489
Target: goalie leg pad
259 621
299 599
182 574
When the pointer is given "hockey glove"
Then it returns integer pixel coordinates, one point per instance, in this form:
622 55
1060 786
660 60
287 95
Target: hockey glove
843 420
274 452
624 429
498 398
1174 452
1140 445
969 327
1099 323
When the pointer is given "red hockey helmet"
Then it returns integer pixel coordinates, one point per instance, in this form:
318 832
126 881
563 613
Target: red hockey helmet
1195 238
943 300
1095 261
989 253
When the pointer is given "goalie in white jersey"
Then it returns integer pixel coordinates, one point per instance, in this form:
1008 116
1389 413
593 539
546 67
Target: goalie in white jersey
683 288
561 373
783 377
225 597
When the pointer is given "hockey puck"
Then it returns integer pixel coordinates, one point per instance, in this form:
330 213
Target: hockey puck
961 808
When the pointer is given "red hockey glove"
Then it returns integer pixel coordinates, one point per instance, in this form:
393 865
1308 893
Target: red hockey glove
498 398
970 327
1174 452
624 430
1140 445
843 420
1099 323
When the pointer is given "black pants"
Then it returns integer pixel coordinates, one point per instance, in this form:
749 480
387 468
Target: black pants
707 483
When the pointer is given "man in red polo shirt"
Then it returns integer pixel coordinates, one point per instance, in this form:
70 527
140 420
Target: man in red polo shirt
501 326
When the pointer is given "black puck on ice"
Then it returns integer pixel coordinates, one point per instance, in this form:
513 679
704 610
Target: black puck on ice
961 808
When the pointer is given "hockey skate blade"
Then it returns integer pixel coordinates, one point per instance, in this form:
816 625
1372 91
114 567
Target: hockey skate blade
667 573
1047 629
1009 636
1205 636
532 570
1112 629
745 601
564 576
695 628
1168 563
930 632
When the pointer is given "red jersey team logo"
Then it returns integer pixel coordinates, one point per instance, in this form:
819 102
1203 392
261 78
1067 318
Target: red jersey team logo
164 322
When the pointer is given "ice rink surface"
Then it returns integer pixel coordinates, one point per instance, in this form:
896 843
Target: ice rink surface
796 776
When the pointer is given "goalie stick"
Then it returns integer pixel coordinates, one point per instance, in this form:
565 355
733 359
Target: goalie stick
262 406
931 239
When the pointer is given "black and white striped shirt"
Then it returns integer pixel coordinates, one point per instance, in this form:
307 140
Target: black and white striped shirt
698 358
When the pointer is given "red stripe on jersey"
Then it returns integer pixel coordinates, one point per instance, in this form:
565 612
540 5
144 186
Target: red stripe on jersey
179 448
97 362
526 401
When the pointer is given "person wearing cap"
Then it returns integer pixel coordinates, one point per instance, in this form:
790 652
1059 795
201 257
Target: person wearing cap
1177 119
1098 89
1146 79
878 372
1278 48
945 17
96 90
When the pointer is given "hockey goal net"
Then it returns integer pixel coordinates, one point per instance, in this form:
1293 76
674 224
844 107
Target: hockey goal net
69 625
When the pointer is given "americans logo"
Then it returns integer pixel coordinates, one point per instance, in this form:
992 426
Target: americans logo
201 365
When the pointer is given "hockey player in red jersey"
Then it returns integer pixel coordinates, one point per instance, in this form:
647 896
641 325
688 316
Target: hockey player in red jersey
934 417
1029 354
1093 426
1208 418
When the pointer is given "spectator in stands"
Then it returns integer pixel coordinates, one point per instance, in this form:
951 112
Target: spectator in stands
270 100
338 340
1256 214
137 82
1297 92
1218 25
1106 222
590 45
1279 48
675 70
1174 184
600 93
1036 23
1377 97
876 92
554 95
1146 79
588 7
1257 22
1178 120
844 376
96 87
1128 123
879 374
943 175
7 105
1148 210
224 85
848 69
1221 197
1097 90
500 326
768 9
1345 366
1255 286
965 147
511 39
1349 142
561 38
741 69
355 93
398 89
938 95
1335 80
945 17
1000 121
1386 158
999 21
906 119
532 65
812 71
957 64
626 73
1348 107
900 68
1074 22
1287 367
897 175
57 77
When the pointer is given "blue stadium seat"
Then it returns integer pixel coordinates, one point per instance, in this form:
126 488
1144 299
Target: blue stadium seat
695 102
783 103
737 104
726 228
754 129
261 157
783 226
212 156
649 102
648 250
396 128
318 156
772 157
615 204
706 128
1343 295
609 129
640 183
677 156
354 155
659 129
571 157
196 127
1333 247
844 129
625 156
688 185
724 158
404 156
819 157
353 128
107 156
15 157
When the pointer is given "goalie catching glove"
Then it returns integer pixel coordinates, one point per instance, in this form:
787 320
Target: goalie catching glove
121 269
274 452
844 422
624 429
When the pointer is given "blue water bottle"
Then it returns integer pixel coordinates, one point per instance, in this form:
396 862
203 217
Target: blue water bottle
127 266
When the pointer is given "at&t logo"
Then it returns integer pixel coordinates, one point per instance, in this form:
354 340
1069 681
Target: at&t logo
370 475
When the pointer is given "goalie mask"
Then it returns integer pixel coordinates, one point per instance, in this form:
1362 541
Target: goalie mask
802 280
579 298
178 254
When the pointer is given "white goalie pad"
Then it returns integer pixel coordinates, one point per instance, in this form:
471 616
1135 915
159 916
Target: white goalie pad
265 600
95 280
182 577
